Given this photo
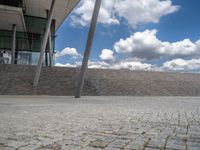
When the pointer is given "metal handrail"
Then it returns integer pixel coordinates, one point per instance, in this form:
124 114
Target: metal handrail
5 42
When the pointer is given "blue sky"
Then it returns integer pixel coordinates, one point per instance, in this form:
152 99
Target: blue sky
155 35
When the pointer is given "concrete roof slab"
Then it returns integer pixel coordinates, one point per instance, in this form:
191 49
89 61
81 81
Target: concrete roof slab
62 9
11 15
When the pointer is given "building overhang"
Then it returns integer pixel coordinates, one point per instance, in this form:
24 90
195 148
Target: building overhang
39 8
10 15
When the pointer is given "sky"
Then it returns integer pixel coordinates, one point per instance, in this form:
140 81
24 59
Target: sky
152 35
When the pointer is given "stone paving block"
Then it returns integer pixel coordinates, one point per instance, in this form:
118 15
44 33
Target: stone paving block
98 144
71 147
91 148
131 136
111 148
150 148
108 138
193 144
193 148
44 149
15 144
6 148
172 144
29 147
180 130
95 123
157 143
119 143
137 144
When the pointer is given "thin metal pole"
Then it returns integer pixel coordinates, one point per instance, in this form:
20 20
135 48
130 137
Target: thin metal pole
88 48
43 46
13 44
50 51
50 46
46 58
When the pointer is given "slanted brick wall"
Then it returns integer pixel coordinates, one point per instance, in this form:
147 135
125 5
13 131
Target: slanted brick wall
17 80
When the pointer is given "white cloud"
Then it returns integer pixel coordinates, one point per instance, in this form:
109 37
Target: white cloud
125 64
178 65
107 55
182 65
91 64
198 44
98 65
135 12
67 52
143 46
82 15
65 65
146 45
133 65
144 11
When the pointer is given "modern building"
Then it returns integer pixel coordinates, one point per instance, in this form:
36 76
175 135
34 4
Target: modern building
28 31
22 28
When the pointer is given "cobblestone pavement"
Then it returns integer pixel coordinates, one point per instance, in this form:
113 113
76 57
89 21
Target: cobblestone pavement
95 123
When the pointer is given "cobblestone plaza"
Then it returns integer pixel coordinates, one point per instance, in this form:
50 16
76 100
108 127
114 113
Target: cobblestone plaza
110 123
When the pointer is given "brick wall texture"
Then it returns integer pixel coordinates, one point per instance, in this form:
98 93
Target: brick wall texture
18 79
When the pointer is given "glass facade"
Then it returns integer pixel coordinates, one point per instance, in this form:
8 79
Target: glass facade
27 44
22 41
35 30
22 57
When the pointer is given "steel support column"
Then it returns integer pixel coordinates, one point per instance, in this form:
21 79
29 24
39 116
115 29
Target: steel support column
46 59
88 48
50 51
50 63
13 44
43 46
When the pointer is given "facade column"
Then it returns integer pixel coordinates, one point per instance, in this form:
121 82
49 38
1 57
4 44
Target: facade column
13 44
16 57
46 58
50 63
50 51
43 46
88 48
